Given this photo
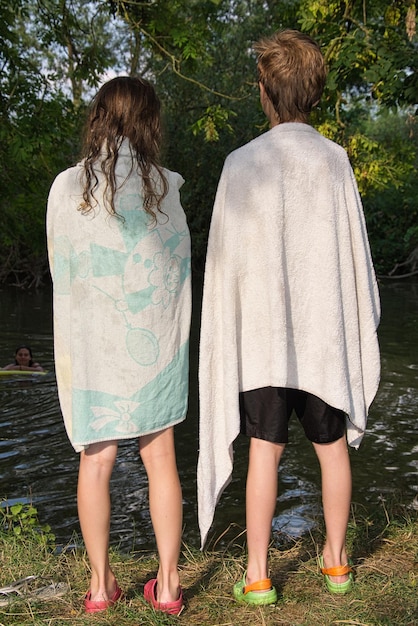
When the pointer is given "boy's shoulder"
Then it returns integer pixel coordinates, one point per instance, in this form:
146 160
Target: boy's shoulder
252 145
289 136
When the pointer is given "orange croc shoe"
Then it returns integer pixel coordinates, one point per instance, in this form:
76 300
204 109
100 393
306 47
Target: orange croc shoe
260 592
340 570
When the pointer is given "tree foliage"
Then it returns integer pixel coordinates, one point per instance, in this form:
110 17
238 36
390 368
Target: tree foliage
51 53
54 54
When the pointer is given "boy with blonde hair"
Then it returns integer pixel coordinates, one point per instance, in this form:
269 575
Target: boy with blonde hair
290 314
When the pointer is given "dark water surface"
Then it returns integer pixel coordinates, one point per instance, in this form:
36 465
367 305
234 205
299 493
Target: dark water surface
38 464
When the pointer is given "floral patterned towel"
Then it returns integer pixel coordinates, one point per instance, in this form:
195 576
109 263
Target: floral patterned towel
122 305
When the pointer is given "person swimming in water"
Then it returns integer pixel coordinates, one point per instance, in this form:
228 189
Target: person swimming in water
24 361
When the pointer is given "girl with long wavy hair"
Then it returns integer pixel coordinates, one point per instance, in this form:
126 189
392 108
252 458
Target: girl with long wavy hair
119 252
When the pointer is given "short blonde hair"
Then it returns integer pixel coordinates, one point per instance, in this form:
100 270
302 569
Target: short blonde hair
292 70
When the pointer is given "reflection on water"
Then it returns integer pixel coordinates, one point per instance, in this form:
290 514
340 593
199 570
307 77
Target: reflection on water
38 464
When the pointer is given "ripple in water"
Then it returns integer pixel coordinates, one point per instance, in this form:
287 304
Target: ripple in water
38 464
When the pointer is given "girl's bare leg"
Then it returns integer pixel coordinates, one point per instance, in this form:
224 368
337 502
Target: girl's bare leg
261 497
166 508
93 498
336 498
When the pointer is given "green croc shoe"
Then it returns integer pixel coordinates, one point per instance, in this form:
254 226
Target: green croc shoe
260 592
337 571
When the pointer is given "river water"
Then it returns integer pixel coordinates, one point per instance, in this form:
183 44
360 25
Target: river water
38 464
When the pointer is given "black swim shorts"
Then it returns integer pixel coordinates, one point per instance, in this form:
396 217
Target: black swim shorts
265 414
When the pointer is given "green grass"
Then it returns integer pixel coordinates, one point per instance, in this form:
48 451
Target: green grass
384 548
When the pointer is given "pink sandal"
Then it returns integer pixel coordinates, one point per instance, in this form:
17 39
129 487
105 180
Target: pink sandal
94 606
150 595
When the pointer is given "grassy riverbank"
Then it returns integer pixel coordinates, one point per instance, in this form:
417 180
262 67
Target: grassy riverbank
384 547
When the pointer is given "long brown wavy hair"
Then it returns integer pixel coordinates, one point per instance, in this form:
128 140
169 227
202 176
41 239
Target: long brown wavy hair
124 108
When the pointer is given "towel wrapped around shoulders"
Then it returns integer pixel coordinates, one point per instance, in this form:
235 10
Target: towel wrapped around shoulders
122 306
290 295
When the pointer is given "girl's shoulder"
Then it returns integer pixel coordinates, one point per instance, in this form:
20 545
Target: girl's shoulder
68 178
175 180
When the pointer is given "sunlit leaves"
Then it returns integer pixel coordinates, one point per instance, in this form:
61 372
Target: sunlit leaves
21 520
369 46
54 53
214 119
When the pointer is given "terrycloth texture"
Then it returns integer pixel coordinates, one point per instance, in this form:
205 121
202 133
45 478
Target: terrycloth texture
290 296
122 305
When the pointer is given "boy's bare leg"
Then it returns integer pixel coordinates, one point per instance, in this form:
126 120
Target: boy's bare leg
93 500
336 498
261 497
166 508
